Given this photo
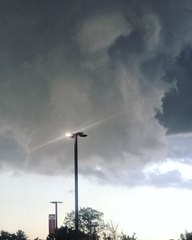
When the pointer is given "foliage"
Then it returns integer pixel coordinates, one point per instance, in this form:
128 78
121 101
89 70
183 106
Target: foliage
186 236
110 231
90 220
7 236
91 223
127 237
65 233
19 235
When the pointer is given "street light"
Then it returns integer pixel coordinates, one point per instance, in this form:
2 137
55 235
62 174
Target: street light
56 211
75 136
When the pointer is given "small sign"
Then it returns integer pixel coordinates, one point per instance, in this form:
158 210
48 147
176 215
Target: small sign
52 223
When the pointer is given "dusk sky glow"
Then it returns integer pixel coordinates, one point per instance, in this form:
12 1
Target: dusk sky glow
120 71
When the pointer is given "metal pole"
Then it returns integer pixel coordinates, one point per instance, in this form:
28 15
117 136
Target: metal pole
56 213
75 136
76 181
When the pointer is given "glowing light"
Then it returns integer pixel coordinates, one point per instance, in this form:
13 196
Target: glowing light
68 134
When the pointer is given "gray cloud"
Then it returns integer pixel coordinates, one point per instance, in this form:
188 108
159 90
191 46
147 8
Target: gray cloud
11 153
179 120
179 146
171 179
66 66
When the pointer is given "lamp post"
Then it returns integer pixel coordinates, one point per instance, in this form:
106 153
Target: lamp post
75 136
56 212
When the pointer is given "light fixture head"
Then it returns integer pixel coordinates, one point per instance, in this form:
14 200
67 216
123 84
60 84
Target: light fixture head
81 134
72 135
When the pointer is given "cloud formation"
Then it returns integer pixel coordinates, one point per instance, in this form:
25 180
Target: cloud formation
67 66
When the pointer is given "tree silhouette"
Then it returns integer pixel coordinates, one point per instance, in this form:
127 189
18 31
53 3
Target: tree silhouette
90 220
127 237
65 233
4 235
186 236
91 223
111 230
19 235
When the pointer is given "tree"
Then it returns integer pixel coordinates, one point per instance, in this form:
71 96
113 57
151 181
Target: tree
19 235
90 220
4 235
65 233
110 231
127 237
186 236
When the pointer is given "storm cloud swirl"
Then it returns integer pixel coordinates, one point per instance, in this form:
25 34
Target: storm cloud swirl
65 65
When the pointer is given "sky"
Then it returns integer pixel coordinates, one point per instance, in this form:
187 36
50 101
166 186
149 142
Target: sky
121 72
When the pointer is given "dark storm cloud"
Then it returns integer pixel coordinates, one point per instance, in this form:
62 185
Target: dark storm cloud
177 107
68 64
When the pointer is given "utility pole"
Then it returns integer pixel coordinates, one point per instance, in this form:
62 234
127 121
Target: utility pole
75 136
56 213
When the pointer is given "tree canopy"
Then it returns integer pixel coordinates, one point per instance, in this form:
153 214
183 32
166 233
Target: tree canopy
90 220
186 236
19 235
